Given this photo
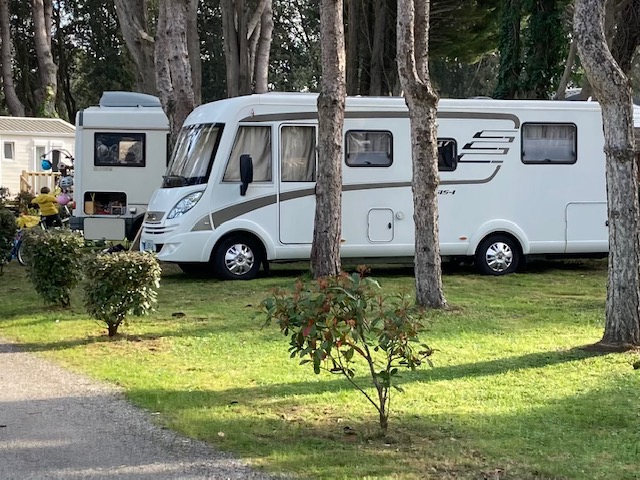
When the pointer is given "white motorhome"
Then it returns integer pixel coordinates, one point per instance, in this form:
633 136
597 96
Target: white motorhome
517 178
121 155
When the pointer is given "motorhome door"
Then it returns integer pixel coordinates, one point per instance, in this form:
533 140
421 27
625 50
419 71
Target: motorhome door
297 182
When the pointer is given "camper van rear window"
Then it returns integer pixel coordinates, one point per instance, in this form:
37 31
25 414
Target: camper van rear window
369 148
447 155
119 150
549 143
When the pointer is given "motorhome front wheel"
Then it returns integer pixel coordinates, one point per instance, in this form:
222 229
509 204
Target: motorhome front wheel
238 258
497 255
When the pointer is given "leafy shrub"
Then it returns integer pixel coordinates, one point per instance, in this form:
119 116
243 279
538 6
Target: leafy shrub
23 202
336 320
4 196
8 229
54 259
120 284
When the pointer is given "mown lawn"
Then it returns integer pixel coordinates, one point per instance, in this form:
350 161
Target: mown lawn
511 395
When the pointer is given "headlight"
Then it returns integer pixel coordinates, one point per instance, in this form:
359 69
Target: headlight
184 205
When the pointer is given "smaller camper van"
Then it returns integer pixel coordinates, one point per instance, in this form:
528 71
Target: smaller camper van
121 155
517 178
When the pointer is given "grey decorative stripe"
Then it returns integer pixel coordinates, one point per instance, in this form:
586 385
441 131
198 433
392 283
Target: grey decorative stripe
203 224
483 115
283 117
234 211
284 196
473 182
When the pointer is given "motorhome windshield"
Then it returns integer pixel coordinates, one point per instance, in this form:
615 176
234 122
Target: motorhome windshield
193 155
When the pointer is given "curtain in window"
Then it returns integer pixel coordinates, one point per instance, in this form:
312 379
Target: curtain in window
549 143
254 141
298 154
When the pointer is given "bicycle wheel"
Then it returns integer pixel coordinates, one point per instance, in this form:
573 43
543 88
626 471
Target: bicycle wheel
20 254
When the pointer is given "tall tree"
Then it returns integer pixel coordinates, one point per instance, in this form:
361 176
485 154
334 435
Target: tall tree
133 16
16 108
247 40
613 91
327 232
421 98
173 68
48 70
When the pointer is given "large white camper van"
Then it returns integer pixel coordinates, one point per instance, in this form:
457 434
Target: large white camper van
121 155
517 178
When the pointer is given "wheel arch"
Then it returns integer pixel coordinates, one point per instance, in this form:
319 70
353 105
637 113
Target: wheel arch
499 227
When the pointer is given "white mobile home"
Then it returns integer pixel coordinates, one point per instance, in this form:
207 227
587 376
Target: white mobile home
121 155
24 140
517 178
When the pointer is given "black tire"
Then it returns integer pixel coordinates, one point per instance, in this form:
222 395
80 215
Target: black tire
196 269
237 258
20 255
497 255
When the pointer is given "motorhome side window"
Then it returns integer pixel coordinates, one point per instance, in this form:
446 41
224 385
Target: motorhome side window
298 154
369 148
256 142
549 143
447 155
119 149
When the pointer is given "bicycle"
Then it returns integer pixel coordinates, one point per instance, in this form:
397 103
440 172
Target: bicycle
25 222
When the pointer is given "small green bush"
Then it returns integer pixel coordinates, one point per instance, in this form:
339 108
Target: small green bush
54 260
336 320
8 230
120 284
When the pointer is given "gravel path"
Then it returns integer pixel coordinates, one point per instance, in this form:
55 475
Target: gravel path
58 425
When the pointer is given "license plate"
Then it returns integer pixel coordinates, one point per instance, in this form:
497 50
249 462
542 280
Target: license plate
148 246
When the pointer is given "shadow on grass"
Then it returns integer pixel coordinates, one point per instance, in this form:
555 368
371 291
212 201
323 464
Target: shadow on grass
553 439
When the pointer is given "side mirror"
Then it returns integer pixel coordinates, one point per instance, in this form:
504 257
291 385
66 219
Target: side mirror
246 173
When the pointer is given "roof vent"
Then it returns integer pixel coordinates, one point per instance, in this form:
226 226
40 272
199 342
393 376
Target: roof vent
128 99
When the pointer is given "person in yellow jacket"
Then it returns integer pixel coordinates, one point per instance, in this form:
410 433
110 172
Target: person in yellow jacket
48 208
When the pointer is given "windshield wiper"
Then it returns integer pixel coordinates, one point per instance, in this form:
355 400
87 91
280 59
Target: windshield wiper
170 181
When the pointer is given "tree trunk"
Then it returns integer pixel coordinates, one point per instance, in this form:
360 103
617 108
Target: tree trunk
571 58
327 232
132 16
261 66
413 70
613 91
352 47
173 68
48 89
16 108
627 35
377 49
193 44
247 43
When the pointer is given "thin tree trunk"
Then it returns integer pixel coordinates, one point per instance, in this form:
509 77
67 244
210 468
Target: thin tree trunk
132 16
231 53
16 108
193 44
327 232
613 91
421 98
571 59
377 50
173 67
352 47
48 69
627 37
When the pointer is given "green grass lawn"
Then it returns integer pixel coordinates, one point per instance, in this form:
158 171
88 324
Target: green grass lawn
511 393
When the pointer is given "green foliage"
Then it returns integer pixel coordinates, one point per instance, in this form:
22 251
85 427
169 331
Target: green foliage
23 202
4 196
336 320
8 229
120 284
509 46
54 259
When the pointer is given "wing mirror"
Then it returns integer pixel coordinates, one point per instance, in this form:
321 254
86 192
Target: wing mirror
246 173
